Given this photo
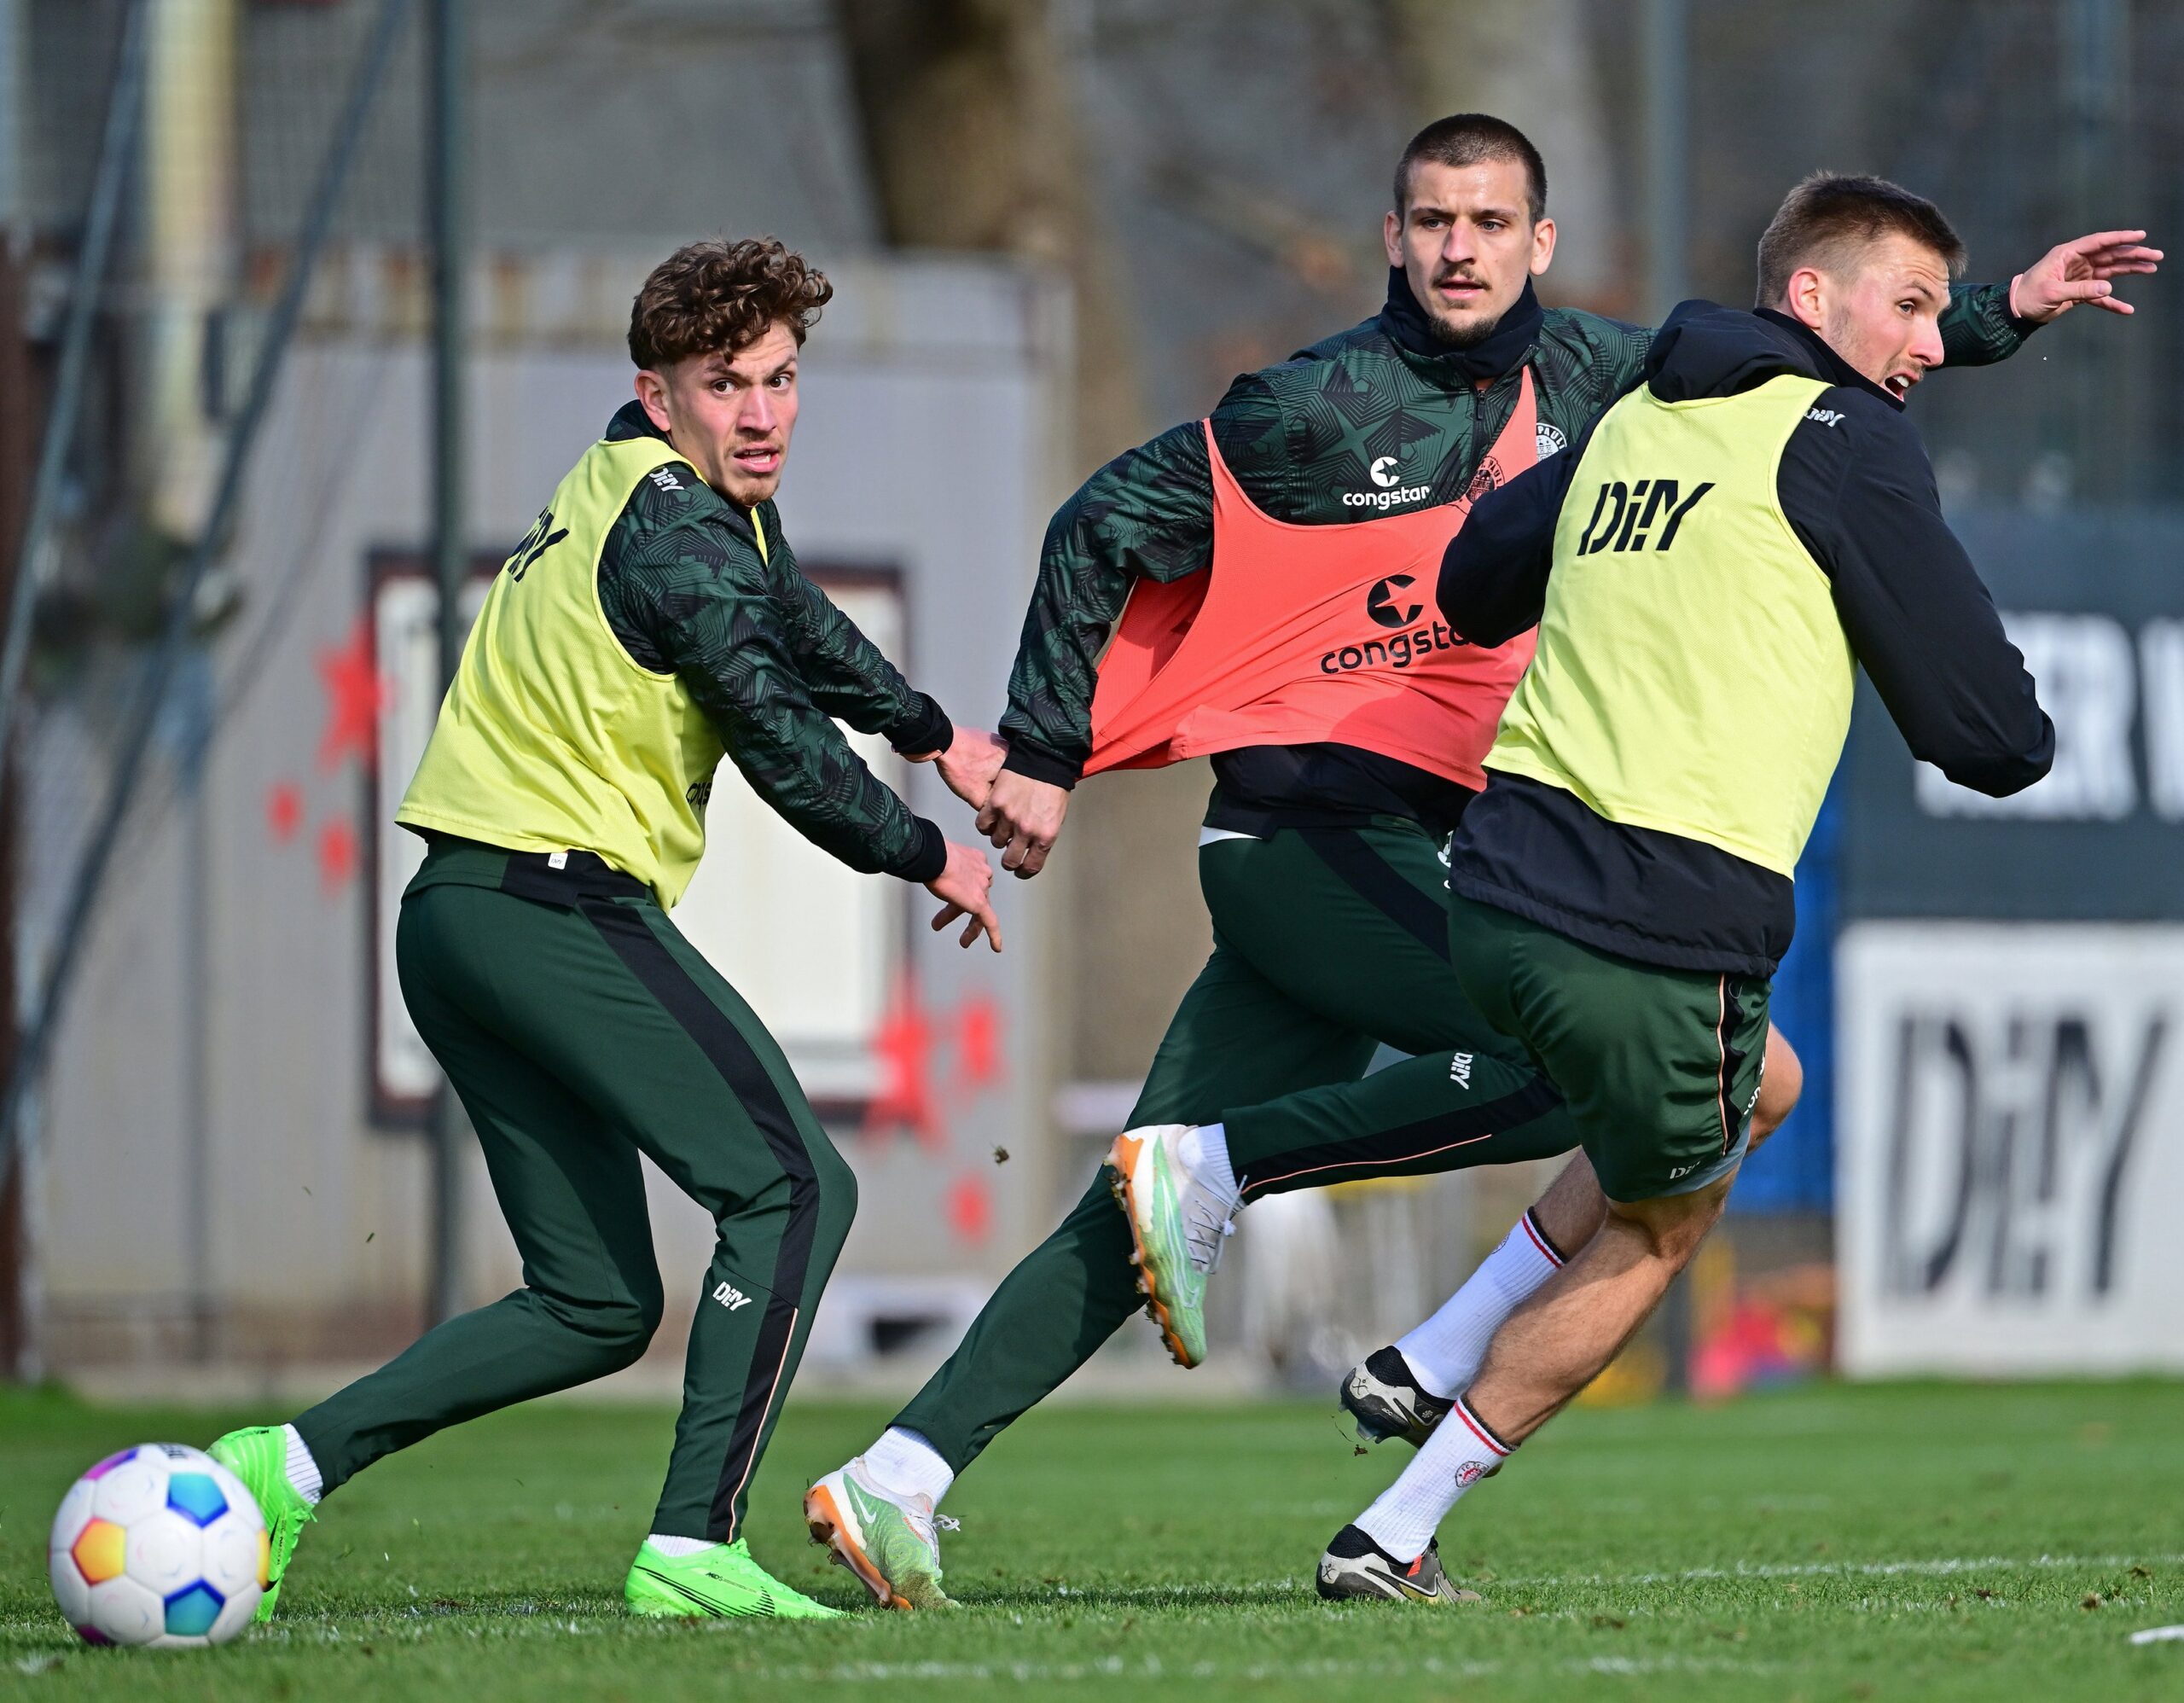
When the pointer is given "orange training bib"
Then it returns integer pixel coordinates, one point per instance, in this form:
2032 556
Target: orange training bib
1301 635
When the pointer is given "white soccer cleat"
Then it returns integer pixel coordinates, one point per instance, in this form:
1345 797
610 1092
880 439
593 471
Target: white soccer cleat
1178 1225
888 1541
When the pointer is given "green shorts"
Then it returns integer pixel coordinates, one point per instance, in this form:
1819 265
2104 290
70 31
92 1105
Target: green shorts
1659 1067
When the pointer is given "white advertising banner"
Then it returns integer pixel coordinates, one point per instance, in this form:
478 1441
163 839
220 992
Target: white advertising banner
2010 1143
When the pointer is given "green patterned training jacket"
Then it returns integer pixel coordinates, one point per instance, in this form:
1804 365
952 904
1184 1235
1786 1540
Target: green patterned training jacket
771 662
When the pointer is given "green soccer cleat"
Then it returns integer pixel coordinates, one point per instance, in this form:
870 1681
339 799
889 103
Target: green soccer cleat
886 1540
721 1583
1177 1225
259 1457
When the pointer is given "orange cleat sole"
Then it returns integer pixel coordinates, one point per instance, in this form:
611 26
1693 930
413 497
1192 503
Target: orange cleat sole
1122 1161
823 1520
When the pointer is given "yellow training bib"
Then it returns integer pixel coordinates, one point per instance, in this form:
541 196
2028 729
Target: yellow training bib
1692 675
553 738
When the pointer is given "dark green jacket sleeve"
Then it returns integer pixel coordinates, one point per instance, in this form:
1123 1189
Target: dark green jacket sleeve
1147 515
843 671
687 593
1585 362
1977 328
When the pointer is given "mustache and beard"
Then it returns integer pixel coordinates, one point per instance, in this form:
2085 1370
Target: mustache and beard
1467 334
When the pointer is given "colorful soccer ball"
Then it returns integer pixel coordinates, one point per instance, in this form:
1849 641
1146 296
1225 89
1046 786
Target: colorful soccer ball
160 1545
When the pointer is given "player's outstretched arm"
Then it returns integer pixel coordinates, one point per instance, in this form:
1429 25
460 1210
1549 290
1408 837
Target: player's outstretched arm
845 673
796 759
706 609
1984 323
1148 514
2083 269
1859 493
850 680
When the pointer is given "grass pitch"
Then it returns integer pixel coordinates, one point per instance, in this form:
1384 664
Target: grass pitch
1906 1542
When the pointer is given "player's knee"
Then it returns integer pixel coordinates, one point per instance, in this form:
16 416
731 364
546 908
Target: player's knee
651 1308
624 1330
815 1201
837 1187
615 1331
1779 1086
837 1181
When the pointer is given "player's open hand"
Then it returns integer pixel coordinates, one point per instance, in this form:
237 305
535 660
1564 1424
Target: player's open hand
2083 271
965 888
1022 816
969 764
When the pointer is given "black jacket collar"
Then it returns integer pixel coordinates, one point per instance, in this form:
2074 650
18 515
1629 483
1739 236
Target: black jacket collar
630 420
1833 367
1503 351
1703 349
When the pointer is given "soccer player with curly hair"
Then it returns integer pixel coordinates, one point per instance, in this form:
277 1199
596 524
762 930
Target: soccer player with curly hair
652 622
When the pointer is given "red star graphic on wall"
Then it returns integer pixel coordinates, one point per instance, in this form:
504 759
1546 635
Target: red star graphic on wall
356 696
903 1045
284 811
970 1209
978 1042
337 853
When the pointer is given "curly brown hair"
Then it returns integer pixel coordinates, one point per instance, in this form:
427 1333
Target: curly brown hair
723 296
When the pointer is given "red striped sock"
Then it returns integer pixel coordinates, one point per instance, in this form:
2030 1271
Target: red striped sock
1445 1352
1463 1450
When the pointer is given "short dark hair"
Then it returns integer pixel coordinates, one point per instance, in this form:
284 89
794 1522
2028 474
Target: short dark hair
1828 214
1471 139
720 296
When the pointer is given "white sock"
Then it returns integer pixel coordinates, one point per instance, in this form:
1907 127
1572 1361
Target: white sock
1445 1353
303 1470
679 1546
1204 1150
905 1463
1459 1454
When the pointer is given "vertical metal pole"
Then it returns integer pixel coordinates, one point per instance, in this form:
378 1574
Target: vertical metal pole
1668 156
1668 252
192 706
189 247
18 450
14 193
2096 61
447 73
117 151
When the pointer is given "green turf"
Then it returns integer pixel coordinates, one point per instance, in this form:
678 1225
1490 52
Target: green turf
1916 1542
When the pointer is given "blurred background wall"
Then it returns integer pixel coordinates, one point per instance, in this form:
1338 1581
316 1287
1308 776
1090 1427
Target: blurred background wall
1056 226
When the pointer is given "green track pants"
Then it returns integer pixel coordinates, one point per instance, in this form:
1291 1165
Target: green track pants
1326 943
581 1029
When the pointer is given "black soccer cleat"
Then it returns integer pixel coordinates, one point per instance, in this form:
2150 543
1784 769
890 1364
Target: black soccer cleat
1355 1566
1386 1401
